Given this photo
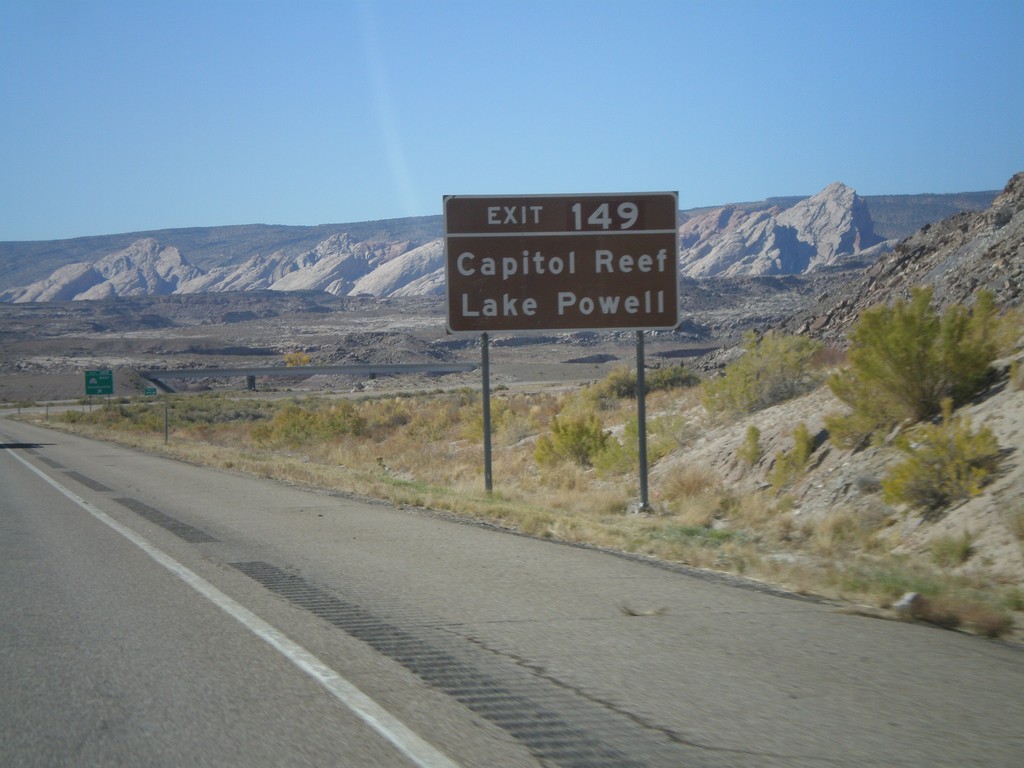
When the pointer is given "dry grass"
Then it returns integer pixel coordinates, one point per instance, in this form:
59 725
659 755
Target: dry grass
846 531
951 551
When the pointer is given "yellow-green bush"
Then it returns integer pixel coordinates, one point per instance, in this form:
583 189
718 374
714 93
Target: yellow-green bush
790 464
294 425
291 425
620 384
773 368
949 551
750 451
904 360
575 438
943 463
671 377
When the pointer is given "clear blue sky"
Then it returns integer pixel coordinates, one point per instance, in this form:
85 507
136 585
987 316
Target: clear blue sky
128 115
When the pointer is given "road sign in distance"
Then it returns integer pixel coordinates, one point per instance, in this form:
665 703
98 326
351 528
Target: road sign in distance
562 262
99 382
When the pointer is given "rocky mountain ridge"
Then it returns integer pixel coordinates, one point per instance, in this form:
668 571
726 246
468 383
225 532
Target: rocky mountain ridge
144 268
781 236
956 257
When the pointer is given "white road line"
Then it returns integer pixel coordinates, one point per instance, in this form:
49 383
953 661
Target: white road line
387 725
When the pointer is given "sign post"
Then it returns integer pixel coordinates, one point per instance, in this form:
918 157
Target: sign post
564 263
485 378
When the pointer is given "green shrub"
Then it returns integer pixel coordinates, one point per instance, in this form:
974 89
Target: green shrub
387 414
773 368
750 452
132 417
668 432
291 425
340 419
950 551
906 359
620 384
617 457
294 425
575 438
790 464
1016 524
673 377
1013 600
700 535
944 463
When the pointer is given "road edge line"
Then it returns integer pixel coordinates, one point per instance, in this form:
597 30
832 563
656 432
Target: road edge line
414 747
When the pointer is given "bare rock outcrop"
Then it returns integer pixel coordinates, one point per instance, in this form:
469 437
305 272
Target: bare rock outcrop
413 273
145 268
822 231
334 265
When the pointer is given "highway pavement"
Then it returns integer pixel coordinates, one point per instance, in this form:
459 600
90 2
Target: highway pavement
155 613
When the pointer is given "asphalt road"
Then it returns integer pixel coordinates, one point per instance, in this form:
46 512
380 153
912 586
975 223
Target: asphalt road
159 614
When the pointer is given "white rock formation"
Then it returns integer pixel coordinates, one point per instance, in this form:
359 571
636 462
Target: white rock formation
819 231
145 268
735 240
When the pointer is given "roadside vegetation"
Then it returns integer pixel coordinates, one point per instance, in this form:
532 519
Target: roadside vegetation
906 360
565 463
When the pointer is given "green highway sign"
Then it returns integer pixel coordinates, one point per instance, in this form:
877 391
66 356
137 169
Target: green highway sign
149 391
99 382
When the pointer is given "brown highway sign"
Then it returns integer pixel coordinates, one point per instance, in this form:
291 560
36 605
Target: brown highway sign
562 262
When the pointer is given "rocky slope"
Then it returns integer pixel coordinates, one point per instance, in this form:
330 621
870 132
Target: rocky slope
781 236
843 487
956 257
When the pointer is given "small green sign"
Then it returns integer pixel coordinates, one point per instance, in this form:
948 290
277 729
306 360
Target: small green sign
99 382
149 391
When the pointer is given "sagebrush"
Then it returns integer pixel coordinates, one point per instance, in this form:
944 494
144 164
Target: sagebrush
904 360
942 463
773 368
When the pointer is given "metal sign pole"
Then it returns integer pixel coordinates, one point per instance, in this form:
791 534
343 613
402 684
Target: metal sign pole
485 366
641 419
